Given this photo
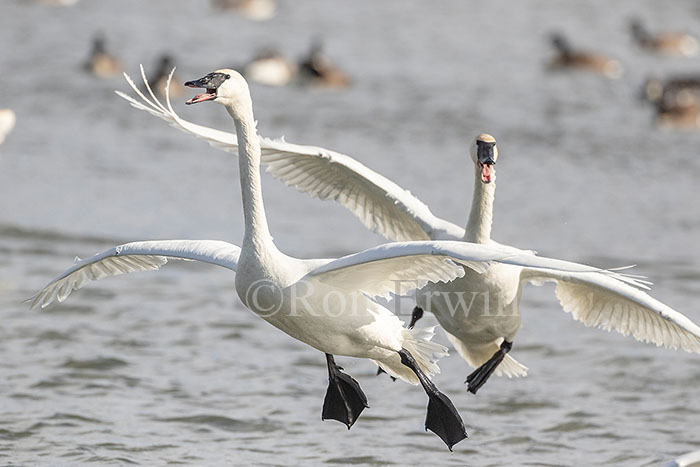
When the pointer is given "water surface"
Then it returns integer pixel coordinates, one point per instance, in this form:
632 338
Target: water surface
169 367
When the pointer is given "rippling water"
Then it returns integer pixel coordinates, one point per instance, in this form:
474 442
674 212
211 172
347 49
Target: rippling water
168 367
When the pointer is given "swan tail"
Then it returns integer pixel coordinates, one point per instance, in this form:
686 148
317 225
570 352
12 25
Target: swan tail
418 343
477 356
511 368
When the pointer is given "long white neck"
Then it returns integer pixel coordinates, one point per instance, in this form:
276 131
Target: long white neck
481 215
257 236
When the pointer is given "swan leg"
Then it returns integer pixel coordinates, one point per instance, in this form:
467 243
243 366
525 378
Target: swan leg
442 417
344 400
415 316
380 371
479 376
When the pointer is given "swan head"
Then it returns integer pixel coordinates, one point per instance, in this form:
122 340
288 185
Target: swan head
225 86
484 153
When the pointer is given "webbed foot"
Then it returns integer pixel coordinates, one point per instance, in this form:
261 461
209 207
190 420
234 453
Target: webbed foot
479 376
442 417
344 400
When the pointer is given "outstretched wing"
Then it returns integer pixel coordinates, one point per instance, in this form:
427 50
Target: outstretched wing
379 203
136 256
398 268
611 301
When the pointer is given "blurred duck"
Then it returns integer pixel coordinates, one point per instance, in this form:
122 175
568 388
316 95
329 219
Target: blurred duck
270 67
672 91
7 123
683 116
160 78
256 10
568 58
676 101
101 63
318 69
670 43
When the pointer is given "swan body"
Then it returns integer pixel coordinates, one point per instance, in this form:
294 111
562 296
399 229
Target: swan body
7 123
598 298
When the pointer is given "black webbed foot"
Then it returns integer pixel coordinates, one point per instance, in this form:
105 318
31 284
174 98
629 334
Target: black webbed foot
444 420
415 316
442 417
479 376
344 400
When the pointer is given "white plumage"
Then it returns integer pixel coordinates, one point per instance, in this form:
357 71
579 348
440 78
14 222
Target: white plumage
597 298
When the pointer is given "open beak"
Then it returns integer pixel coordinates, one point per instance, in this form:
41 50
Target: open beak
486 161
210 82
210 95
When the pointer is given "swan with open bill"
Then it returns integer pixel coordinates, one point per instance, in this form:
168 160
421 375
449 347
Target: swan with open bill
327 304
602 299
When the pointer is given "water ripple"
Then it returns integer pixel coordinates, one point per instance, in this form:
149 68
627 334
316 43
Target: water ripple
224 423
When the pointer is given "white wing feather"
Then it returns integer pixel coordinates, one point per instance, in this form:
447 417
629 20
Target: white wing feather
598 298
608 301
136 256
379 203
398 268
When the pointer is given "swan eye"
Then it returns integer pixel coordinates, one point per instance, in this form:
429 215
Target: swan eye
228 76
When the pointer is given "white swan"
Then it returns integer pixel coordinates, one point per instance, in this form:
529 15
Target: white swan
483 326
7 123
324 303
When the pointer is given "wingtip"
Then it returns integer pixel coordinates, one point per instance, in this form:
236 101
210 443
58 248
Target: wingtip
34 302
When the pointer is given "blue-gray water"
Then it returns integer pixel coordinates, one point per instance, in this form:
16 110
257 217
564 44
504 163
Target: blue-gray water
169 367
